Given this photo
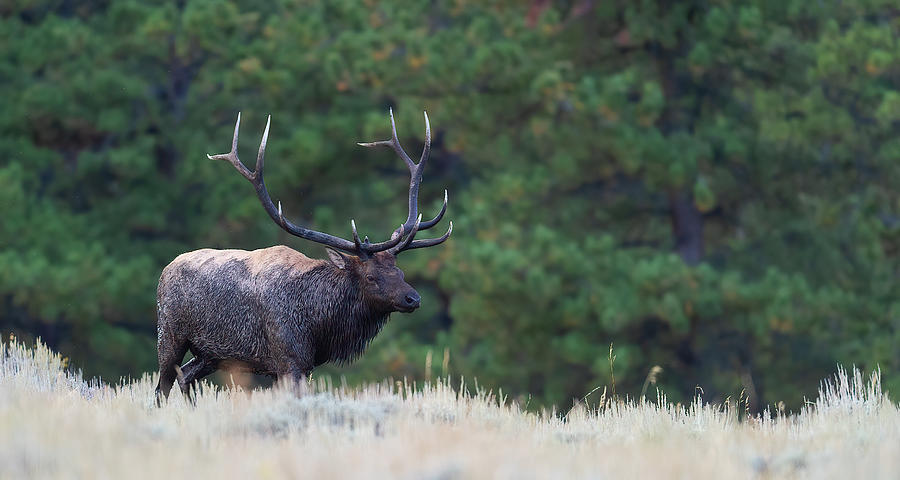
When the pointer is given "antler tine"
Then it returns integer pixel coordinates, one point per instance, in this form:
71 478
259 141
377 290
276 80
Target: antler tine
409 238
427 149
356 235
437 218
415 176
365 246
388 244
232 156
430 242
394 143
262 149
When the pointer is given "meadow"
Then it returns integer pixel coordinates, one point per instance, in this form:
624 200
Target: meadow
55 424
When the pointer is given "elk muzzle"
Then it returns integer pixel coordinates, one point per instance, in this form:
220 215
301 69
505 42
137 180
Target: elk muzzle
408 301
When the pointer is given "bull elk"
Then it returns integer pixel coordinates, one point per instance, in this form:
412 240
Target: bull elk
275 311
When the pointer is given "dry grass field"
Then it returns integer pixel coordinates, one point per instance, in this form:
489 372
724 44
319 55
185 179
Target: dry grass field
53 424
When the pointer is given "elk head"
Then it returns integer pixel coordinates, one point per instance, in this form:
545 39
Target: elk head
373 264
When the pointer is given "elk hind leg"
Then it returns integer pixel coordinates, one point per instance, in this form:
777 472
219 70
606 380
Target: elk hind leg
170 353
194 370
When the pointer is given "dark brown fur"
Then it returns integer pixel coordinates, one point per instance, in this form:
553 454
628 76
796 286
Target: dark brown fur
273 311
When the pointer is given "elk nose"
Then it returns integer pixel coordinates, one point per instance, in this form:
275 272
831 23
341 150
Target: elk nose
412 299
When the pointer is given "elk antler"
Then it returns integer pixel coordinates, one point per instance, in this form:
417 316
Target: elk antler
358 247
414 221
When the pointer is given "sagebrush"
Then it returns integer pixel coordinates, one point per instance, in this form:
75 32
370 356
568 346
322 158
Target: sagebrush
55 424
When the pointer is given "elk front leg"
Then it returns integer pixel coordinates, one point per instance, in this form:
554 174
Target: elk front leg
294 356
296 374
296 380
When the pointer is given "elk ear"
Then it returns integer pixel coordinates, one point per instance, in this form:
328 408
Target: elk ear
337 258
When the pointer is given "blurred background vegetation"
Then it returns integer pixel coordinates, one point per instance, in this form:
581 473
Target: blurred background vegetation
709 186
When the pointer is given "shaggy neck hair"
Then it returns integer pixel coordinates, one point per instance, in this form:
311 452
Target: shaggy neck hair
335 311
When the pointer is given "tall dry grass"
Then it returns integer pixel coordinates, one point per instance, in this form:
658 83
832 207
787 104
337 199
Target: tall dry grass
54 424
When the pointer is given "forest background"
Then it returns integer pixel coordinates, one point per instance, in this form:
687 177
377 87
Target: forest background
708 186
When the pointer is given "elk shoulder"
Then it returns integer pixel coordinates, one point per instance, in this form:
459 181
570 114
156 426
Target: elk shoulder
257 262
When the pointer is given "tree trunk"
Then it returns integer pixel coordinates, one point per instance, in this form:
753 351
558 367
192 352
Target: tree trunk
687 226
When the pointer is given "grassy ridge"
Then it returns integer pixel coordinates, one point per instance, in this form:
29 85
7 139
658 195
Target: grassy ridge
55 424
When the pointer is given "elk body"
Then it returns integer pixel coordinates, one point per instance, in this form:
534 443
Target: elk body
275 311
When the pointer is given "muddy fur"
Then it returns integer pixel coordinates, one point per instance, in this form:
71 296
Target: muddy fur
272 311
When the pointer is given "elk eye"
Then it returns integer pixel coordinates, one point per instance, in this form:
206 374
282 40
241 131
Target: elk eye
370 278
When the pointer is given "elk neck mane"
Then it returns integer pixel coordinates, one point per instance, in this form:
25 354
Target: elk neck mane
332 309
